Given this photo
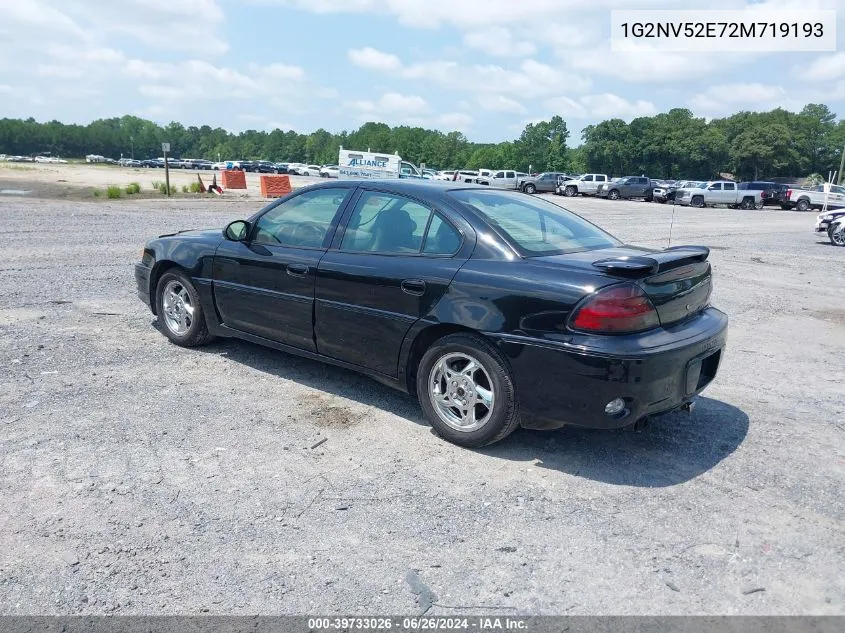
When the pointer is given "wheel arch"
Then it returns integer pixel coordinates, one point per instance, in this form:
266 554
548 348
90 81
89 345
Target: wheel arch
159 268
421 342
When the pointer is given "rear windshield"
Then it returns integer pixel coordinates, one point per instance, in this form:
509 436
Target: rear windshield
534 226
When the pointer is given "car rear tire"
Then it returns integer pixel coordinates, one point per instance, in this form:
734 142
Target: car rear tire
613 194
697 202
748 203
529 188
570 192
803 205
179 310
465 389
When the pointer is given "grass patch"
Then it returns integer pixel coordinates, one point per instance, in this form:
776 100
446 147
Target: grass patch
161 187
97 193
19 167
132 188
113 192
195 187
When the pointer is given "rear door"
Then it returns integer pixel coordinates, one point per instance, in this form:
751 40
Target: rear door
265 286
730 193
392 264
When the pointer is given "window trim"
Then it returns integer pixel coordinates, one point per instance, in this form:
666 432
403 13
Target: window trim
353 204
330 233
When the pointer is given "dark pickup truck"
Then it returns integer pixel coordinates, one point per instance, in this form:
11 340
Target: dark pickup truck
627 187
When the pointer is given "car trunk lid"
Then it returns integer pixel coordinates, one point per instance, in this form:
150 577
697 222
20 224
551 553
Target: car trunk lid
677 279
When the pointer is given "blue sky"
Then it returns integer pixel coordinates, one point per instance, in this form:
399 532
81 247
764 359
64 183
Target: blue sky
484 67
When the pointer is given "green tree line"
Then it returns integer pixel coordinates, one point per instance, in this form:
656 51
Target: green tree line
674 144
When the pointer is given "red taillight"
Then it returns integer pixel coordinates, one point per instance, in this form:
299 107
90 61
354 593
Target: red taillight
616 309
788 194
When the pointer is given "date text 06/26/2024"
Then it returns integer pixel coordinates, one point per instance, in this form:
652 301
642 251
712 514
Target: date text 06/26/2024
418 623
723 30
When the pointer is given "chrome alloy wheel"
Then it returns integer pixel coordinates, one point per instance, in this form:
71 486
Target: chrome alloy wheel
461 392
178 309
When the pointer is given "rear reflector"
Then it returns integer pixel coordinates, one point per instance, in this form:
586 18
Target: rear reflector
618 309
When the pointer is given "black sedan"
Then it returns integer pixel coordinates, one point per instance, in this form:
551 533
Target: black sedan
495 308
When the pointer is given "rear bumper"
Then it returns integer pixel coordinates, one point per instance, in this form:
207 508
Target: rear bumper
570 383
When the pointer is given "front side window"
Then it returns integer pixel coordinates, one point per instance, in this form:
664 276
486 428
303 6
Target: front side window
534 226
393 224
303 221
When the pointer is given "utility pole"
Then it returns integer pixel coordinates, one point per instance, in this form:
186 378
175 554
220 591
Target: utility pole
165 148
841 167
132 147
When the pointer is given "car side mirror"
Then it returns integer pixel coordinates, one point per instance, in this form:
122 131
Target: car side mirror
236 231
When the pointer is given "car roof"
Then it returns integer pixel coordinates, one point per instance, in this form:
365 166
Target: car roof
410 186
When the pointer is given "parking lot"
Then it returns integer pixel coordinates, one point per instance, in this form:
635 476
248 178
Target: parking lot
140 477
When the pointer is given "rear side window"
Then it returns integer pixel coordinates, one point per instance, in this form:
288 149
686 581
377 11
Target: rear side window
534 226
392 224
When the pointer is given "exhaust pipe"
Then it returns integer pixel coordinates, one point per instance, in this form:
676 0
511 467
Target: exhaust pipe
639 426
689 407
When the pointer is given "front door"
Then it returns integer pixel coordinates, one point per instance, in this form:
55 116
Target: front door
265 285
394 262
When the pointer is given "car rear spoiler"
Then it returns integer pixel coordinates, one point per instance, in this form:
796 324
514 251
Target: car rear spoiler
653 263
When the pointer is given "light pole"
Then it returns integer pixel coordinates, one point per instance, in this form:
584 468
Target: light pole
132 147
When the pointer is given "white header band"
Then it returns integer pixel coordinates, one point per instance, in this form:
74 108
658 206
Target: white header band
744 31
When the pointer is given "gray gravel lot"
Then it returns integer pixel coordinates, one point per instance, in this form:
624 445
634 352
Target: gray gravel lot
139 477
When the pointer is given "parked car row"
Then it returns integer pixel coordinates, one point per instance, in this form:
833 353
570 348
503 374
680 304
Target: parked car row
31 159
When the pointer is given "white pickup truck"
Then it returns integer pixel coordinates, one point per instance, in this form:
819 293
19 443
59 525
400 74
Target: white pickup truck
719 192
503 179
587 184
814 198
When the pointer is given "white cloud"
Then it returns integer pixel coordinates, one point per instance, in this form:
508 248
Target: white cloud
392 103
530 79
823 68
478 13
600 106
372 59
500 103
725 99
498 42
454 121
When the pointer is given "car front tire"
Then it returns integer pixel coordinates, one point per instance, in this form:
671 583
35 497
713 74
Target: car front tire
529 188
570 192
179 310
465 389
613 194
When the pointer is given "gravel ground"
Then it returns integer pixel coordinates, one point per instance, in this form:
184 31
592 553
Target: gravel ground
139 477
